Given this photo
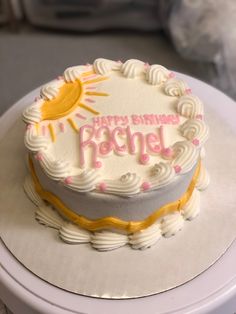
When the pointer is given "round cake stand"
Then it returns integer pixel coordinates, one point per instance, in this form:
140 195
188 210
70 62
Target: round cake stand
214 291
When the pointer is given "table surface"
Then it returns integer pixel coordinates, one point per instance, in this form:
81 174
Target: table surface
214 291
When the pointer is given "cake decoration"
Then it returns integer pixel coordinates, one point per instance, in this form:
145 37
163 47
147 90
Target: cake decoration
103 134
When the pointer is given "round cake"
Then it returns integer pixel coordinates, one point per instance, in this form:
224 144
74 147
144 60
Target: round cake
116 149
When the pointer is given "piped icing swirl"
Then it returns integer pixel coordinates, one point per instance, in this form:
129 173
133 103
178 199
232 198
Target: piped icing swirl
84 182
55 168
51 90
190 106
203 179
132 68
128 185
162 174
73 73
192 208
171 224
107 240
157 74
175 87
146 238
32 114
104 66
35 142
196 131
185 156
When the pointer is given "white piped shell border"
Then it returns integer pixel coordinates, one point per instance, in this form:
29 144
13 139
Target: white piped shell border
70 233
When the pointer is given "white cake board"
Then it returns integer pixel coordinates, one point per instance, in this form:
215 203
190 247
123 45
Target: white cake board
214 244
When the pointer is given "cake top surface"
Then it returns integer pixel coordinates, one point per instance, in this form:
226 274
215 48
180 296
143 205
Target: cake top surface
116 128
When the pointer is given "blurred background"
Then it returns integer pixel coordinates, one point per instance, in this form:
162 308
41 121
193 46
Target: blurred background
40 38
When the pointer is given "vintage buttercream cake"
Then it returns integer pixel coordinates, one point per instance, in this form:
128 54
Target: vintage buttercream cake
115 154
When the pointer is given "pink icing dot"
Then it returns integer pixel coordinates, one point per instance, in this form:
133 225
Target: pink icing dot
171 75
177 168
36 98
146 65
195 142
59 77
119 61
144 159
39 156
145 186
199 117
188 91
168 152
68 180
28 126
98 164
102 186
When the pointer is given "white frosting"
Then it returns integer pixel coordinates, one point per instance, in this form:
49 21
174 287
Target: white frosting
47 216
203 179
132 68
185 155
175 87
162 174
107 240
192 208
55 168
84 182
73 73
195 129
157 74
30 191
128 185
145 238
171 224
51 90
32 114
73 234
104 66
190 106
35 142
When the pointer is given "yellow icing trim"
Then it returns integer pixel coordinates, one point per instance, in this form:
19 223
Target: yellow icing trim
97 94
96 80
52 132
88 108
66 101
88 73
73 124
113 222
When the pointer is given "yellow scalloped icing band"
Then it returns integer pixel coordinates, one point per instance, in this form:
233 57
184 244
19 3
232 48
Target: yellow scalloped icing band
113 222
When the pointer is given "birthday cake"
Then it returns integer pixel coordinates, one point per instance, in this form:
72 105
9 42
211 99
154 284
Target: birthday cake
115 154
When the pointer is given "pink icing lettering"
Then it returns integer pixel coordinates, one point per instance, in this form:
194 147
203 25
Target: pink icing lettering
116 132
84 143
96 121
162 138
149 119
143 158
136 119
152 139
